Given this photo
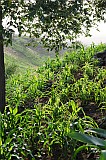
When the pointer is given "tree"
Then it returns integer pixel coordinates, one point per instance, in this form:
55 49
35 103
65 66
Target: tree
2 69
53 21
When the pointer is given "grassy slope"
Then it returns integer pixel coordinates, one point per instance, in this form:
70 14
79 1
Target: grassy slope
56 96
26 56
71 70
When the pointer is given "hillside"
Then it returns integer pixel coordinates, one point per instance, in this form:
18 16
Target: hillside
44 108
23 56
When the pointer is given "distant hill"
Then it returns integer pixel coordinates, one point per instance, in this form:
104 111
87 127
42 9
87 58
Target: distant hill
25 56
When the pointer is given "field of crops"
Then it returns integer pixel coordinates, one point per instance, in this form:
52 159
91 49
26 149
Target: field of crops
49 108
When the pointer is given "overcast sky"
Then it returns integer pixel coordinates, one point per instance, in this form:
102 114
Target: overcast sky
97 37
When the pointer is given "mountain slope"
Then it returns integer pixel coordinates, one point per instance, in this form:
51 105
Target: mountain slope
26 56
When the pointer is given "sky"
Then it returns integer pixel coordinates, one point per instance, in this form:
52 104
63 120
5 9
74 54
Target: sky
97 37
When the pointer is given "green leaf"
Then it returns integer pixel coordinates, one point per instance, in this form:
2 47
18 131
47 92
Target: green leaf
7 141
10 149
79 150
11 109
15 110
101 132
0 141
103 155
89 139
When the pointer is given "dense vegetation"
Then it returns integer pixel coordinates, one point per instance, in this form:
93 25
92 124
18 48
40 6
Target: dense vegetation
55 22
44 107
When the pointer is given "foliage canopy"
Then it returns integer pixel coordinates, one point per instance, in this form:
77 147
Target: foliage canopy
53 21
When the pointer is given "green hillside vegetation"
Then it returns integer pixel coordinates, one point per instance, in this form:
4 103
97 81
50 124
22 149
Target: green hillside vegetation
45 106
22 56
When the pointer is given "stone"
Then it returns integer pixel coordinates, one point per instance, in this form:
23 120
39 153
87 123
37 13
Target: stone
101 56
